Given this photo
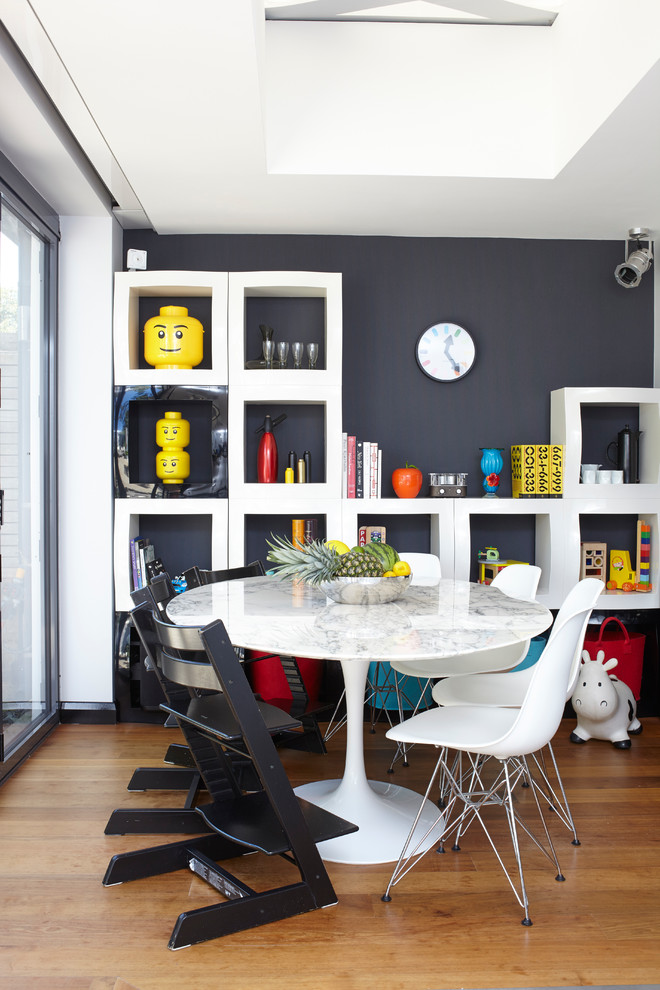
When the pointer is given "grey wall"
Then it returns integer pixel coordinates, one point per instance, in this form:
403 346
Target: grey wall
544 315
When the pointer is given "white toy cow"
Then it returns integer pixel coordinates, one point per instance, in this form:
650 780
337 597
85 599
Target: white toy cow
604 705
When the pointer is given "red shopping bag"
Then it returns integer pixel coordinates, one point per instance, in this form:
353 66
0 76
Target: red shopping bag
627 647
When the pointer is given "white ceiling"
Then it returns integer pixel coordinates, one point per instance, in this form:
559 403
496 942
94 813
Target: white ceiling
219 116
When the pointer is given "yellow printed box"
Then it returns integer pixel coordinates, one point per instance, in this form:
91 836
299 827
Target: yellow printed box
537 470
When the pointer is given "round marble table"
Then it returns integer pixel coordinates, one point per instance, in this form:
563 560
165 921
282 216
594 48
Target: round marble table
449 620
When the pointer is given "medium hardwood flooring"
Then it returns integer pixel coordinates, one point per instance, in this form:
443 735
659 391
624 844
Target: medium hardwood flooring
453 922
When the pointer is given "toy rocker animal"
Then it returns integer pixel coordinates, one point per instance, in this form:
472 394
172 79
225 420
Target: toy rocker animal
604 705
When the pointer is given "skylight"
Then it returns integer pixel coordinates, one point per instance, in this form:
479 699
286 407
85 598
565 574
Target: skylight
530 13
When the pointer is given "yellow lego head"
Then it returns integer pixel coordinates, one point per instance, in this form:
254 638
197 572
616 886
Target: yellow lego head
172 431
173 339
172 466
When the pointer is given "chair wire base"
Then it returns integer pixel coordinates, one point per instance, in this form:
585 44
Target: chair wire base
468 789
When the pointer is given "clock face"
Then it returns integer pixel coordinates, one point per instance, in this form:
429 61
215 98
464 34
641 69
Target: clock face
445 352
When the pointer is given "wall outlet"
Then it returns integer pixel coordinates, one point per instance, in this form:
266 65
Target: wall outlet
136 260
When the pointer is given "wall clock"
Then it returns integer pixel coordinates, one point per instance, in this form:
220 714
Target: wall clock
445 352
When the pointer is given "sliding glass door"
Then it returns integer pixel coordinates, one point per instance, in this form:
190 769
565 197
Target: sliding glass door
28 675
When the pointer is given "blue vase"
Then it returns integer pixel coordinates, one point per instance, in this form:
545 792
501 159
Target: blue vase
491 464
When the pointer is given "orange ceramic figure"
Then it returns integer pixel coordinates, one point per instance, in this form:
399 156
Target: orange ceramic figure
173 339
173 466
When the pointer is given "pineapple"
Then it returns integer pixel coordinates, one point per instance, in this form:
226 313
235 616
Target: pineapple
317 562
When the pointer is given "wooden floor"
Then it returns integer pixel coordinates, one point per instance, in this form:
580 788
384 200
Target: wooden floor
452 923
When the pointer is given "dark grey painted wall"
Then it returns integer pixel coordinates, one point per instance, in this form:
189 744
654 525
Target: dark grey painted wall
544 315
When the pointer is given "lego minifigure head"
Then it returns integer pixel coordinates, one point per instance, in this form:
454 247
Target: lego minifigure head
173 339
173 466
172 431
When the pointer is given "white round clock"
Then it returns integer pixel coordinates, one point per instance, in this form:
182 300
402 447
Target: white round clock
445 352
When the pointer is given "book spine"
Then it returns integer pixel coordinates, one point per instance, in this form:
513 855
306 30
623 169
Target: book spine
542 472
351 467
344 465
362 536
380 472
556 470
366 469
374 470
134 565
142 564
359 469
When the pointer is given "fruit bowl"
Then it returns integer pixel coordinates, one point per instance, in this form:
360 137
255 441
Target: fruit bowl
364 590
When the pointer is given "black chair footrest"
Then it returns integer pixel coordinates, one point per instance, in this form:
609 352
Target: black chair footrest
213 714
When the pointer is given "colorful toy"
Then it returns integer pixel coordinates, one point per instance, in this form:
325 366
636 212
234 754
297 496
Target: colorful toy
643 574
604 705
593 561
172 461
488 569
173 339
622 575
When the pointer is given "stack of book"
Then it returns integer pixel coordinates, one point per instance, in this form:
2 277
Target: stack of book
143 559
361 468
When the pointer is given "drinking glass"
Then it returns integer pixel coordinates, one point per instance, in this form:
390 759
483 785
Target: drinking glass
282 352
297 351
268 347
312 354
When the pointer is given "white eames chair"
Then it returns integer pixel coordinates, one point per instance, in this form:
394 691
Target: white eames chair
516 581
507 735
508 689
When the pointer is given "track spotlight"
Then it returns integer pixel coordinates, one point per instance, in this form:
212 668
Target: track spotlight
629 272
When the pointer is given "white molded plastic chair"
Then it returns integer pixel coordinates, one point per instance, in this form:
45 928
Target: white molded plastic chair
516 581
508 689
508 735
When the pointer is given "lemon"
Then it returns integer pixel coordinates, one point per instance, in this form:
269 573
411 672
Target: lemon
338 546
401 568
389 574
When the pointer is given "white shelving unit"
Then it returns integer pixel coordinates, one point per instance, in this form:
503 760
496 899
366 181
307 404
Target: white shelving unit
130 288
558 524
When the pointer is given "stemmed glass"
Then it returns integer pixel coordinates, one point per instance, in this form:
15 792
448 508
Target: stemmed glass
268 348
282 352
297 351
312 354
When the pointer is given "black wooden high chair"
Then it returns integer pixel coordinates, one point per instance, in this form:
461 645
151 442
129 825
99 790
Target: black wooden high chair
222 730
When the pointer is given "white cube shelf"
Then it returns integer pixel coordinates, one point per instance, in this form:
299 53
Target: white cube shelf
566 428
129 511
290 507
278 401
639 508
548 516
440 512
244 341
130 287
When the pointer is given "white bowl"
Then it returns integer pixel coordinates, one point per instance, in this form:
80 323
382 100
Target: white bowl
366 590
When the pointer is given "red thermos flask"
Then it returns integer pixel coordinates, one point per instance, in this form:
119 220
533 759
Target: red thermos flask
267 453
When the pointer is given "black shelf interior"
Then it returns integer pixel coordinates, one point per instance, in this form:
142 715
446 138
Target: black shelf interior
181 541
404 533
600 426
293 318
258 529
303 429
138 409
514 537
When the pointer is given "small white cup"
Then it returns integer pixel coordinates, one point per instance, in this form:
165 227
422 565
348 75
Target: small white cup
603 477
617 477
588 476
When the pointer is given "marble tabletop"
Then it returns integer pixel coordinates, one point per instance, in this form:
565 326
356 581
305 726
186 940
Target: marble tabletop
429 621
